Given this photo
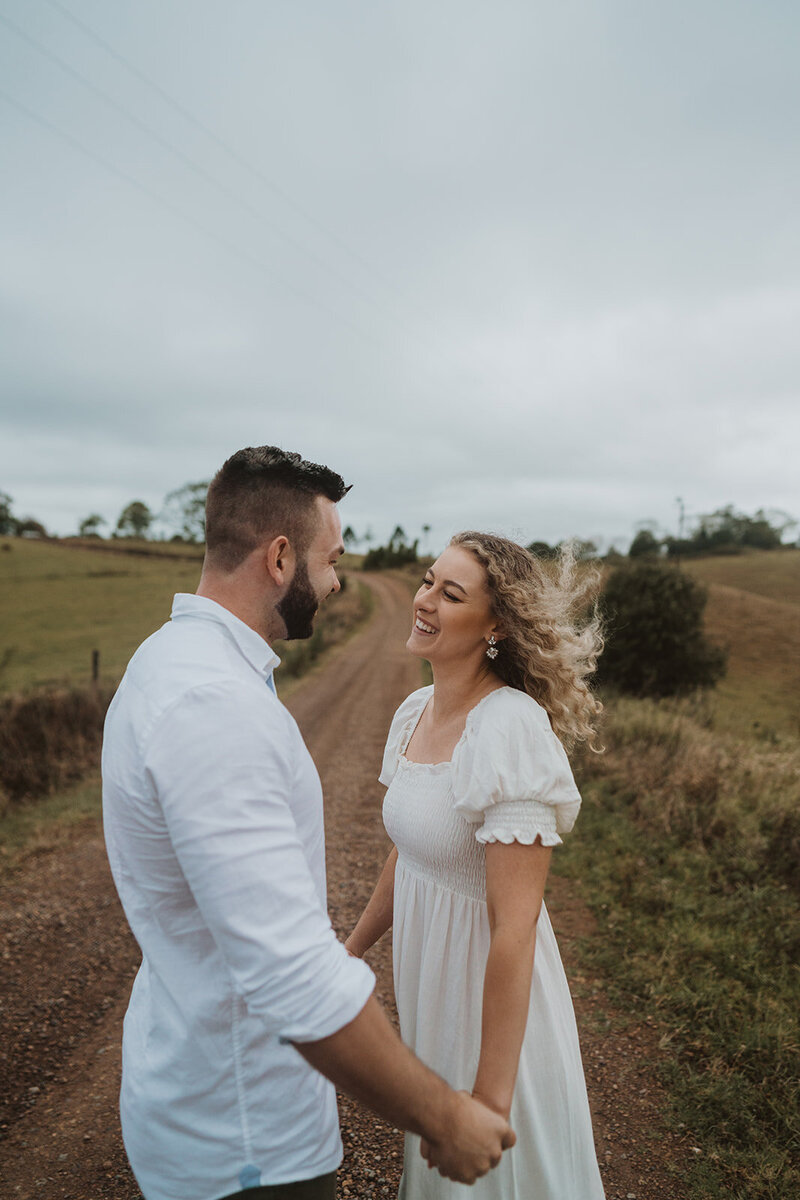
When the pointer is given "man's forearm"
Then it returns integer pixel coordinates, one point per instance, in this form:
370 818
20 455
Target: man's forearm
462 1137
368 1060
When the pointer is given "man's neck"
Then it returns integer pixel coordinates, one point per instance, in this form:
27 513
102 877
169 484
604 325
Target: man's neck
253 611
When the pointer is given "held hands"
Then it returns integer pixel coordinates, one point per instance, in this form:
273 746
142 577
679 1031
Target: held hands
476 1139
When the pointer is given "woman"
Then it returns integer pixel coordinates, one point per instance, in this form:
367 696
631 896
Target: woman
479 791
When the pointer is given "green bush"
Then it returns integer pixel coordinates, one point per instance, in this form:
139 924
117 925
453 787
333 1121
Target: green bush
655 644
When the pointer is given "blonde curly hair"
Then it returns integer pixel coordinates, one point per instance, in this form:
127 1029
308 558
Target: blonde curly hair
548 650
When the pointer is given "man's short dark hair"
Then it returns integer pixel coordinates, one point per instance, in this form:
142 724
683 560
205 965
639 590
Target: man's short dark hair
260 493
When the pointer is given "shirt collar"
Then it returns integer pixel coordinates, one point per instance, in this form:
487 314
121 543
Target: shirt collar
253 647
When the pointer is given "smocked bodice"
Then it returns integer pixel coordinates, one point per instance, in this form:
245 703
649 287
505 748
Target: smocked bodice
433 840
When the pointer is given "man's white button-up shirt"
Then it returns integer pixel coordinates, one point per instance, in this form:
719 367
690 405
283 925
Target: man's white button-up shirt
213 821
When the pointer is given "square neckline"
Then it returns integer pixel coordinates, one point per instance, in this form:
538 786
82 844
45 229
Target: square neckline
446 762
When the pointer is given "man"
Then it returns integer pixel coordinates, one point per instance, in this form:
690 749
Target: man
213 817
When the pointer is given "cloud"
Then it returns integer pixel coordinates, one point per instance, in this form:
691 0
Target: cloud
525 267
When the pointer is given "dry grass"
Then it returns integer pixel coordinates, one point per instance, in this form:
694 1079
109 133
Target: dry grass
689 853
58 604
48 740
774 574
761 691
708 789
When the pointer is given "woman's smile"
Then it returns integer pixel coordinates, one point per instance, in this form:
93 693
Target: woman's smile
422 626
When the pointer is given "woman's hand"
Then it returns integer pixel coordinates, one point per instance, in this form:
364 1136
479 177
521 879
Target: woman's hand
377 916
502 1110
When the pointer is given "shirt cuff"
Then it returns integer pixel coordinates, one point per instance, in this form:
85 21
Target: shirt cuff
340 992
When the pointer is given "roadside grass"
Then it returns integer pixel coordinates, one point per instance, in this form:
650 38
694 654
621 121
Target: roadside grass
688 852
52 821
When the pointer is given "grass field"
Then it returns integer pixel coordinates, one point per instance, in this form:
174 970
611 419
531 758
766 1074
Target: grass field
59 602
773 574
754 611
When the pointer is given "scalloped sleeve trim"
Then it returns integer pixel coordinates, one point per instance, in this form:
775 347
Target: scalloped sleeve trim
520 821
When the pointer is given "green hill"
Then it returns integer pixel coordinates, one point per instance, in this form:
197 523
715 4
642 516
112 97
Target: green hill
754 610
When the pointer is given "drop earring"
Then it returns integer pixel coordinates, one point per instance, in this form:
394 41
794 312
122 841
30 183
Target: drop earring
492 650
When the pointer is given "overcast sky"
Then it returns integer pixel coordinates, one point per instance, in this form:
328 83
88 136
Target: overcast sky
523 266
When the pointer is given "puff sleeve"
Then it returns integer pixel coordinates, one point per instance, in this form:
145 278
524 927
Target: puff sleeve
403 724
511 775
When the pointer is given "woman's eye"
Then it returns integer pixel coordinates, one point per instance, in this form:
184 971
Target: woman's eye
450 596
427 582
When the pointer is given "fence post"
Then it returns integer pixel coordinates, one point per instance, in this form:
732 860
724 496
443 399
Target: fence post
95 665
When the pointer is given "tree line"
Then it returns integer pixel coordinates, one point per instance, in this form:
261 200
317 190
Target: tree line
182 518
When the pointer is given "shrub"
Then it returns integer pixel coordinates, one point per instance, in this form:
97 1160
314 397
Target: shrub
655 644
645 545
49 739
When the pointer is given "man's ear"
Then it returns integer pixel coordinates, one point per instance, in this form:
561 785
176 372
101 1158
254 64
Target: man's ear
279 560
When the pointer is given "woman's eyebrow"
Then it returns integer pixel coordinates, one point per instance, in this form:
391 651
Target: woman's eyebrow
448 582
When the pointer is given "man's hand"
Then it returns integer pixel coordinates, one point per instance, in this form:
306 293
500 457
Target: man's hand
462 1136
475 1141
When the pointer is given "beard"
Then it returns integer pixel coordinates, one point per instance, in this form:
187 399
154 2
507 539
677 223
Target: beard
299 606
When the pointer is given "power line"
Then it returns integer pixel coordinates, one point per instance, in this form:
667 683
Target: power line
234 154
176 152
176 210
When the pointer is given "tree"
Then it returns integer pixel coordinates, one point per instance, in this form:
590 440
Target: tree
394 554
543 550
184 511
30 527
584 549
655 642
90 525
644 545
726 531
8 522
349 537
135 520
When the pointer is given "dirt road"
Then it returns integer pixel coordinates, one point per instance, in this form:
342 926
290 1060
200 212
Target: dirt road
68 961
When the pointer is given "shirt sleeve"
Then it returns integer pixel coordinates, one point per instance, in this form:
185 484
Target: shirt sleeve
221 763
511 775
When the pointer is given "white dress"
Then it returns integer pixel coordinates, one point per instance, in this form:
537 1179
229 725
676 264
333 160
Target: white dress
508 780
